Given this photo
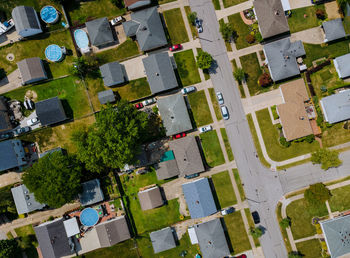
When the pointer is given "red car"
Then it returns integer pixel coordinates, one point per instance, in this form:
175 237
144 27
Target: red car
241 256
179 135
175 47
138 105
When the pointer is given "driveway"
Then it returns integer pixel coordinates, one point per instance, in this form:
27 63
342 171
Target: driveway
23 123
312 36
262 101
134 68
294 4
9 178
10 82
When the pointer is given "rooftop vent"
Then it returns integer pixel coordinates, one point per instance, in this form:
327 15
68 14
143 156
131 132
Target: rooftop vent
277 12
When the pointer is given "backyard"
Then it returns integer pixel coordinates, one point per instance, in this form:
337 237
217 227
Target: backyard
176 26
124 51
224 190
215 103
211 147
187 67
27 240
125 249
335 135
310 249
200 108
251 67
304 18
227 144
241 29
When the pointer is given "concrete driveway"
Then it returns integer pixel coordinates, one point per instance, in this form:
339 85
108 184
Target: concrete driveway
23 123
262 101
312 36
134 68
10 82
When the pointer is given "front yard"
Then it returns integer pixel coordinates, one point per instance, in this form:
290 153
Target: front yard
251 67
176 26
304 18
310 249
224 190
200 108
227 144
187 67
228 3
215 103
212 149
241 29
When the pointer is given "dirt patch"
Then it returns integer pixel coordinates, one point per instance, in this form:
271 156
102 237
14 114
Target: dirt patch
32 95
332 10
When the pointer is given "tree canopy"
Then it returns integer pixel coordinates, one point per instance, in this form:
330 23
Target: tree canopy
239 74
317 194
86 66
114 139
326 157
192 17
54 179
227 31
256 232
204 60
9 249
285 223
7 204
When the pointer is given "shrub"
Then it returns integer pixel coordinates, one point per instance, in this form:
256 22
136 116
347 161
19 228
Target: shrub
284 142
239 74
327 158
285 223
295 254
258 37
317 194
256 232
310 138
250 39
320 14
279 126
274 113
265 80
192 17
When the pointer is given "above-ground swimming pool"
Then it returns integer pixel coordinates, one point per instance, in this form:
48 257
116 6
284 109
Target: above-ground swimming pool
49 14
54 53
89 217
81 39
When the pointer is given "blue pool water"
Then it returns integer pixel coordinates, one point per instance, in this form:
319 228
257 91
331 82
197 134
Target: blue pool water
169 155
53 53
89 217
49 14
81 39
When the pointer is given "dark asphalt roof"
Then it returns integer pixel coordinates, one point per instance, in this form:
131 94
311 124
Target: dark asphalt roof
12 153
50 111
106 96
91 193
333 29
113 231
162 240
100 31
112 73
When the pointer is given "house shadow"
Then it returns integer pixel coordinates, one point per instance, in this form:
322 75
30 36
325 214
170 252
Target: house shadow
215 196
47 69
201 151
67 109
227 236
3 77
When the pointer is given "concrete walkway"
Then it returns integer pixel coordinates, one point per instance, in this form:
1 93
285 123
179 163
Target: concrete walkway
10 82
224 12
261 101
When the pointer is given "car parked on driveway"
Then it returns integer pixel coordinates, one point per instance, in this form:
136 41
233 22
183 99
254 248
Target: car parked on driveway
256 217
191 176
21 130
205 129
198 25
179 135
227 211
175 47
224 112
116 20
32 121
138 105
6 135
149 101
220 97
188 89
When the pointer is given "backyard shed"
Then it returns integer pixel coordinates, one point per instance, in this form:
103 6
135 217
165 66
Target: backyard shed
112 74
26 21
150 198
91 193
106 96
32 70
24 200
162 240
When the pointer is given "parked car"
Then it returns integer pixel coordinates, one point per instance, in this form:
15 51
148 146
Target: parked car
241 256
149 101
256 217
21 130
188 89
191 176
138 105
5 135
117 20
227 211
179 135
32 121
224 112
175 47
220 98
199 25
205 129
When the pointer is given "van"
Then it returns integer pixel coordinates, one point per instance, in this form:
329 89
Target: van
224 112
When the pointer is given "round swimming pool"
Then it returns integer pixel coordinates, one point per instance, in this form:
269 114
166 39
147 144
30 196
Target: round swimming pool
89 217
81 39
49 14
53 53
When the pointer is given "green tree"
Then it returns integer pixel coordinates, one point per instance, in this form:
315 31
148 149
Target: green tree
227 31
118 3
204 60
342 3
114 139
256 232
326 157
239 74
54 179
285 223
295 254
7 205
86 66
192 17
317 194
9 249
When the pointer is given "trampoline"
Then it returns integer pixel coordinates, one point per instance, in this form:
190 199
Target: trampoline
81 39
89 217
49 14
53 53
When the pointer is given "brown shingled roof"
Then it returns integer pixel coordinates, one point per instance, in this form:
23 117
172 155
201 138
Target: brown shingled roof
150 198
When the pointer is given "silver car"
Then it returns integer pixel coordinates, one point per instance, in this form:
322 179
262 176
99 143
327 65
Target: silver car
224 112
188 89
220 98
205 129
149 101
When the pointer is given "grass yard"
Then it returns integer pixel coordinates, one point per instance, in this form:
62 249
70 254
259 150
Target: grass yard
164 1
146 250
176 26
224 190
236 231
35 47
215 103
251 224
239 183
216 4
301 213
193 27
122 250
211 147
68 89
81 11
200 108
240 85
335 135
271 139
27 232
339 200
283 230
346 23
242 30
228 3
24 231
310 249
297 21
227 144
251 67
187 67
124 51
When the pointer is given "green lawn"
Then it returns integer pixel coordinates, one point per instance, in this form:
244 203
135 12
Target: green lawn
224 190
216 4
227 144
24 231
251 224
339 200
240 85
28 232
242 30
124 51
228 3
176 26
239 183
200 108
215 103
310 249
187 67
297 21
271 139
301 213
193 27
237 233
251 67
122 250
283 230
335 135
212 150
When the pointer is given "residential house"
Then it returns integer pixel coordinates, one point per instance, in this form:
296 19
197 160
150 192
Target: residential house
150 198
112 74
106 96
5 121
136 4
281 57
167 168
91 193
160 72
26 21
174 113
147 27
336 107
31 70
162 240
199 198
342 66
24 200
333 30
12 155
50 111
293 116
100 32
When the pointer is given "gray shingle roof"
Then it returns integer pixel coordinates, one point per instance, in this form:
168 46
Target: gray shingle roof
174 113
150 198
160 72
91 193
25 18
24 200
187 155
112 74
211 239
162 240
32 69
12 154
336 108
50 111
100 32
113 231
149 32
199 198
281 57
342 65
134 4
106 96
167 169
333 29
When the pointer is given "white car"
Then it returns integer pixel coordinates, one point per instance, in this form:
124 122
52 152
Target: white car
116 20
32 121
149 101
188 89
220 98
227 211
205 129
224 112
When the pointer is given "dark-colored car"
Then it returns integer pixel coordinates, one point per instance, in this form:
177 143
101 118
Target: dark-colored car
179 135
256 217
191 176
138 105
175 47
